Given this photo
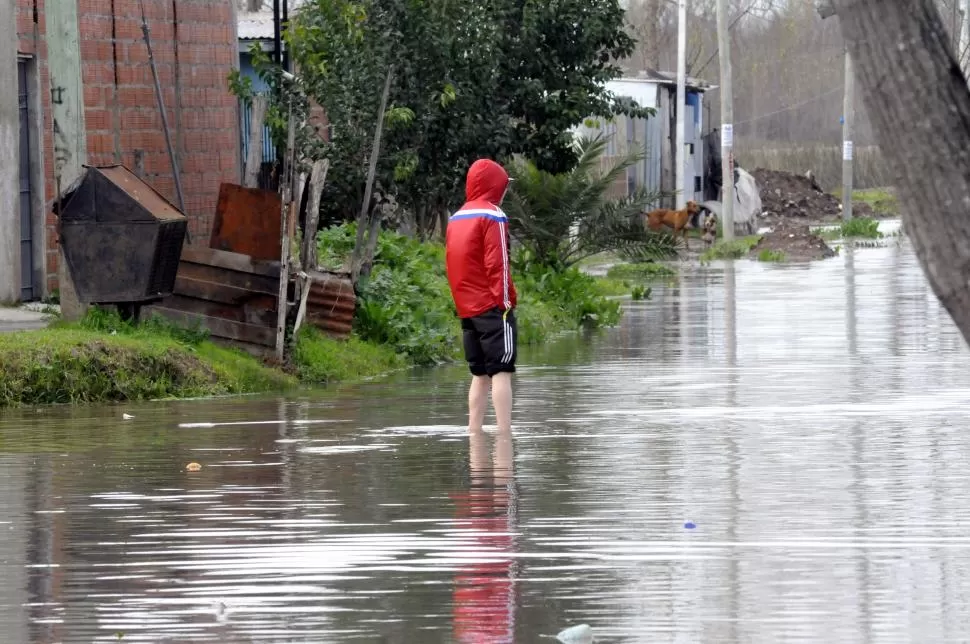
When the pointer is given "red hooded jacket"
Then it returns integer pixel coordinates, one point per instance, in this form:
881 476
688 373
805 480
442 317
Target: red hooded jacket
477 244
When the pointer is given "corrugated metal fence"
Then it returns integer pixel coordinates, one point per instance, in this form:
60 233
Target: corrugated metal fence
269 150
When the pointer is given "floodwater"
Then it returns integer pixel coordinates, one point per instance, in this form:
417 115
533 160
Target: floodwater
759 454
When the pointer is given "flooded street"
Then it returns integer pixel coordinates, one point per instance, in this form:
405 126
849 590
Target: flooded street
759 454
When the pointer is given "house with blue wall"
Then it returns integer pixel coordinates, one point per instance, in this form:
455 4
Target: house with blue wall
254 28
655 136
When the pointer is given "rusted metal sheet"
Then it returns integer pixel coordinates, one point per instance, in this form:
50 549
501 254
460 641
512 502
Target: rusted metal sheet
332 303
247 222
231 295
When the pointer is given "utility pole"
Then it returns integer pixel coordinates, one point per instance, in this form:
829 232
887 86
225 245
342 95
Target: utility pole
679 152
826 9
848 116
727 121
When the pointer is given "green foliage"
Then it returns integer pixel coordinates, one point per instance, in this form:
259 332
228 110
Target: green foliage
544 209
104 359
469 80
857 228
734 249
574 294
641 293
641 271
322 360
768 255
406 303
862 227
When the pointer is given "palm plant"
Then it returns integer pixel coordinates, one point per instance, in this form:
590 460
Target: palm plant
562 219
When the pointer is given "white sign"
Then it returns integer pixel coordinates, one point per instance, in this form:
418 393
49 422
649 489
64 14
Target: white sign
727 135
846 150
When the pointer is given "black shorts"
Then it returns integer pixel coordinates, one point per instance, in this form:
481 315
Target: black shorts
491 342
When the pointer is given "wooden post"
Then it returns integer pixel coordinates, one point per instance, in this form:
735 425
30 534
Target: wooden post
254 155
286 187
318 178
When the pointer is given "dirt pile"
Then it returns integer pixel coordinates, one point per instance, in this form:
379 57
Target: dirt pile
796 241
786 196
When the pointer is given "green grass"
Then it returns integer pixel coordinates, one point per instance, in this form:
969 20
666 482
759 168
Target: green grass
734 249
857 228
87 362
768 255
640 272
883 202
319 359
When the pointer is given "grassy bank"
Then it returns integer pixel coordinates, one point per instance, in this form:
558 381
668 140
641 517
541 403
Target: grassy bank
405 318
102 359
883 201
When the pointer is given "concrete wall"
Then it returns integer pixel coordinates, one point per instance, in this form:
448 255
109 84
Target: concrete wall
195 48
9 158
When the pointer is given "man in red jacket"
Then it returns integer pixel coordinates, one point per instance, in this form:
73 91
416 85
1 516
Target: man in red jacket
477 257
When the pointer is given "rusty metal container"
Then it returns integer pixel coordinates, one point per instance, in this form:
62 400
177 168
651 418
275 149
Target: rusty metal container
331 304
122 240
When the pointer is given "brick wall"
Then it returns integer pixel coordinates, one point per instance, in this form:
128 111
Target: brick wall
195 47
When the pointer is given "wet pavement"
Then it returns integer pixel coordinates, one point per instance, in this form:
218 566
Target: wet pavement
761 453
22 319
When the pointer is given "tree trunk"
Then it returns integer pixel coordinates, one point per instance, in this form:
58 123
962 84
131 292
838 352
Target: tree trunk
366 206
919 106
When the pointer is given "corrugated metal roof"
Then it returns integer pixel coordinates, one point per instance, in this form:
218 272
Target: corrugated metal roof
258 25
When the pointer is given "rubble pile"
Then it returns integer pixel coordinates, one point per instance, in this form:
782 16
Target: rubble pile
795 240
786 197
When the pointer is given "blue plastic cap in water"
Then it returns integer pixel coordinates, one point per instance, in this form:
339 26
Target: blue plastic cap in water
690 525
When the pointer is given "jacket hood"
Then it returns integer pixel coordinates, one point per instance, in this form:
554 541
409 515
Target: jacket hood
486 181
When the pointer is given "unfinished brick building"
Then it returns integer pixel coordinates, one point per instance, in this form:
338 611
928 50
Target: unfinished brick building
87 97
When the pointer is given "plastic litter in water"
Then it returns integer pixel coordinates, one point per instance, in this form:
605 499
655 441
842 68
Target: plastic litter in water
690 525
581 634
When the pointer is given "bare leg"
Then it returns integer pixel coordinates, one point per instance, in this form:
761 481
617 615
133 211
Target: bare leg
477 401
502 400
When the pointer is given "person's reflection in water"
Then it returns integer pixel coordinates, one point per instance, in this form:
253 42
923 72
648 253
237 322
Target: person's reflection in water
484 599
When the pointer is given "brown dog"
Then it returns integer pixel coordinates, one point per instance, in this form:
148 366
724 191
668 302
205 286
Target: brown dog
680 220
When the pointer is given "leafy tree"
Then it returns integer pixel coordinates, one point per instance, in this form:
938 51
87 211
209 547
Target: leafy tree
483 79
561 219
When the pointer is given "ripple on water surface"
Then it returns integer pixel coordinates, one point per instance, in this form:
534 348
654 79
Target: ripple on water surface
758 454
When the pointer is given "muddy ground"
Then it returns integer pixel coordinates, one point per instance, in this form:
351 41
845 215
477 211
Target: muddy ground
796 241
790 198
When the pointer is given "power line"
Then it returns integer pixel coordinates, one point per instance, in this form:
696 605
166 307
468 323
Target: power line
789 108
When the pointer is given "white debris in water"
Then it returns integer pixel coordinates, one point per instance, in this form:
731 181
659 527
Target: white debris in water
581 634
127 416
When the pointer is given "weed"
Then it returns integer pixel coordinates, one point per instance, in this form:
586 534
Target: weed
641 293
863 227
768 255
734 249
856 228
